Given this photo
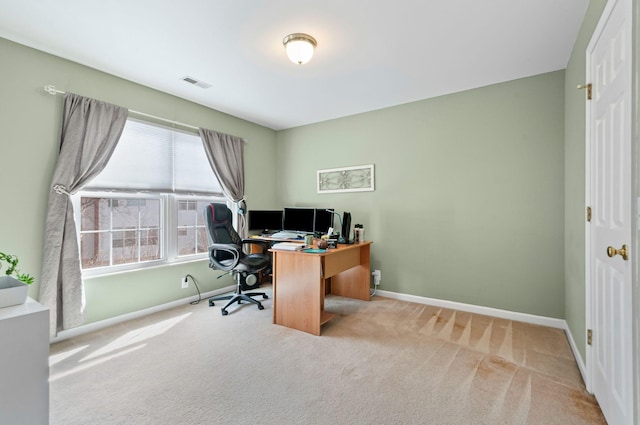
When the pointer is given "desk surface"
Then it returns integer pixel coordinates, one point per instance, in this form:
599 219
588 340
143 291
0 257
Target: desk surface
328 251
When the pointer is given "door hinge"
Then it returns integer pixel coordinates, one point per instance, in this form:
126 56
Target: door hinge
589 336
589 214
588 87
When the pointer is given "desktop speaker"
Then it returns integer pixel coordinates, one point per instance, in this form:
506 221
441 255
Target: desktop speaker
346 225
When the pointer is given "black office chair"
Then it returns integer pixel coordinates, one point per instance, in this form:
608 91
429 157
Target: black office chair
226 254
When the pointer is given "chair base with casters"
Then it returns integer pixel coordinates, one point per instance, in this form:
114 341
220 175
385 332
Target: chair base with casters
238 296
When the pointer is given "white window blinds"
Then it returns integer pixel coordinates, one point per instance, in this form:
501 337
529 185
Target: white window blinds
157 159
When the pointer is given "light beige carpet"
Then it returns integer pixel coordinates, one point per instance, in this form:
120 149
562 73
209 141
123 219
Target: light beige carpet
378 362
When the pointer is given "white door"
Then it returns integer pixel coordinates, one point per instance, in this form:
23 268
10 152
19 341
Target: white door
609 58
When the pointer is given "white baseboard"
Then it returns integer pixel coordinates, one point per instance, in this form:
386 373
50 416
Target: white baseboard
487 311
576 354
90 327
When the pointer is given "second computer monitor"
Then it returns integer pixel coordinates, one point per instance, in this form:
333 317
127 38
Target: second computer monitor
298 219
324 220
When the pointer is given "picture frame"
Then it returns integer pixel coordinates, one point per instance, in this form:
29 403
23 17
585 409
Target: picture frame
359 178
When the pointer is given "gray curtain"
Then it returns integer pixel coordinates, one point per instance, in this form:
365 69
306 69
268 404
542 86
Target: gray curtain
90 132
226 156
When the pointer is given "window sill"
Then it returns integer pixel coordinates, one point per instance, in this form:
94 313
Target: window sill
96 275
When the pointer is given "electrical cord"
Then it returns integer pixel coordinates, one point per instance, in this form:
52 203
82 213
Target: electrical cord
195 283
372 291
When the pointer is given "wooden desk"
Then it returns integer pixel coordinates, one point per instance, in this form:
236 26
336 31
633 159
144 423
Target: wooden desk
299 283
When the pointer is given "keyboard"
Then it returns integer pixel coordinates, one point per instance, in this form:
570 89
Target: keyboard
286 235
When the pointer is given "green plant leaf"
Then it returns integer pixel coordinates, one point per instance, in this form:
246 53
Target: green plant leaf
12 262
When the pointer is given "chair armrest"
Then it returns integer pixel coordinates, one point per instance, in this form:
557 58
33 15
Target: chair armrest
228 248
263 244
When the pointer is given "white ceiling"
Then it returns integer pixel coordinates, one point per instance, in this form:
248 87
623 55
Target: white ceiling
370 54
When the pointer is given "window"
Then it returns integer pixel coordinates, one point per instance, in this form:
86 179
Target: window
117 231
192 231
146 207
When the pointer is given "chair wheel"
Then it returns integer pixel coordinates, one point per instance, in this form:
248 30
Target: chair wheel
224 312
265 297
260 307
211 303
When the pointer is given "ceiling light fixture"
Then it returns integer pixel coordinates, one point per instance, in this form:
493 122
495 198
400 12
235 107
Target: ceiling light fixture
299 47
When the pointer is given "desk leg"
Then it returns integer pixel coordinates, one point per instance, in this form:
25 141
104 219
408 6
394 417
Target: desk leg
322 294
298 291
355 282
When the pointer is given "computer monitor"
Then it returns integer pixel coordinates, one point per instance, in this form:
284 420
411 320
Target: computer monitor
265 220
298 220
324 220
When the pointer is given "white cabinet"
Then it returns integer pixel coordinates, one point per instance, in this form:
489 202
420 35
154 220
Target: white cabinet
24 364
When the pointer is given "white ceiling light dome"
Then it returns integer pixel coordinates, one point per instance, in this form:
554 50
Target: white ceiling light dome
300 47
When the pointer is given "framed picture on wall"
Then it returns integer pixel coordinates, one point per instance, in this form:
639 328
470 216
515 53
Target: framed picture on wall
359 178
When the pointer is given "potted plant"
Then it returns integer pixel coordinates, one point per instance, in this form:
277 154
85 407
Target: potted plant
13 285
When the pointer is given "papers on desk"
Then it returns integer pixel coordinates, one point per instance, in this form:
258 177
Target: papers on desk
288 246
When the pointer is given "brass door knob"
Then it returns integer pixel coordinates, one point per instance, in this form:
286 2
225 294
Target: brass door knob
612 252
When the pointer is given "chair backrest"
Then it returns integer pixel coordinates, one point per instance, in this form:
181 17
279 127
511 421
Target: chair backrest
220 229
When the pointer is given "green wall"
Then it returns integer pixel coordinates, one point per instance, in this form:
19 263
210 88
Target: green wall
29 140
469 199
574 220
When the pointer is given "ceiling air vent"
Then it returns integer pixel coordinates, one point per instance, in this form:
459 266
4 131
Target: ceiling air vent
195 82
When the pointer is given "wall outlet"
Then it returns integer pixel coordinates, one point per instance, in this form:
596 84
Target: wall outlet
184 282
377 277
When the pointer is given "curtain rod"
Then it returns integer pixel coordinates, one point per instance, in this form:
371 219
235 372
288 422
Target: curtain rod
52 90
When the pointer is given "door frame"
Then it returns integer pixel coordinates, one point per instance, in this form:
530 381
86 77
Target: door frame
635 175
633 240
